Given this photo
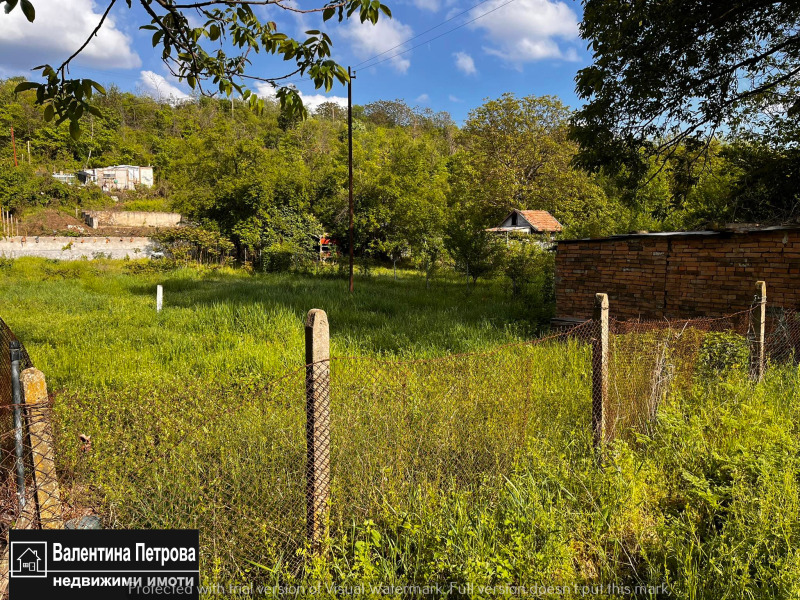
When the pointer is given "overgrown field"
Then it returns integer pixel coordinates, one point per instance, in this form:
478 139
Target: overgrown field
448 471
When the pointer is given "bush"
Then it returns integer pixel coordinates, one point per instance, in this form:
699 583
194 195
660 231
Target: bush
194 243
722 353
147 205
22 188
280 257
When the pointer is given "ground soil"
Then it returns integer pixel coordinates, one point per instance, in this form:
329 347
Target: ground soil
56 222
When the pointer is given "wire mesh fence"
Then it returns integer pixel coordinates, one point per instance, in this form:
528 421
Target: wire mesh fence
349 439
13 492
29 495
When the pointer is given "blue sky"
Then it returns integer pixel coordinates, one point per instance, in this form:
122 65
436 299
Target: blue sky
519 46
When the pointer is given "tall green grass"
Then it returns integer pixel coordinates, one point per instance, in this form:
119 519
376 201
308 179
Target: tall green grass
459 471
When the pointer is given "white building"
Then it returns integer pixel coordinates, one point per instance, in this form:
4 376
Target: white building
118 177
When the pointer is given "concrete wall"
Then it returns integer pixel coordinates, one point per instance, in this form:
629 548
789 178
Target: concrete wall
74 248
108 218
678 275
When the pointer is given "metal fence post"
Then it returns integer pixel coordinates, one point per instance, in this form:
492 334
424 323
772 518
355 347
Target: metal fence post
16 392
759 319
602 419
318 436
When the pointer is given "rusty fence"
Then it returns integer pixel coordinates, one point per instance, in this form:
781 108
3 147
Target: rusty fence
386 436
348 440
29 491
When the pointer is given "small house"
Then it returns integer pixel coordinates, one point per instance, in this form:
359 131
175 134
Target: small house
119 177
28 561
62 177
529 222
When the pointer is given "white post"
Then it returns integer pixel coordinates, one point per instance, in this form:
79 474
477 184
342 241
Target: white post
159 298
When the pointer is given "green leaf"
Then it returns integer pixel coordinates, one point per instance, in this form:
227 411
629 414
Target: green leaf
328 13
74 130
28 10
49 113
98 87
25 86
10 5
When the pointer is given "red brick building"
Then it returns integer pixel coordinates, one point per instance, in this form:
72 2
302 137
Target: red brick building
686 274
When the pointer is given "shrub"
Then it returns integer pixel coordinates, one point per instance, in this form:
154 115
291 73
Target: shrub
723 352
530 269
194 243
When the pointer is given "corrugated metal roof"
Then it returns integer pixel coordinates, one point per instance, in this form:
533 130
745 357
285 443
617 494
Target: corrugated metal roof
669 234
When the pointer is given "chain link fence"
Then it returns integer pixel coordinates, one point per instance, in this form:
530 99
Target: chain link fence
29 493
345 440
13 492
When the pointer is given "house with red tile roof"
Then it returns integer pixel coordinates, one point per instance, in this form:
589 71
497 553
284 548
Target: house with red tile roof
530 222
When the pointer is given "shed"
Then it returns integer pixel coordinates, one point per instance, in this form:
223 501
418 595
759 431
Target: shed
681 274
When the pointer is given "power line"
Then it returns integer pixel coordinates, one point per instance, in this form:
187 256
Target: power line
403 43
488 12
423 33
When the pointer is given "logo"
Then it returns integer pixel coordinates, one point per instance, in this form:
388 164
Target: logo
28 559
98 564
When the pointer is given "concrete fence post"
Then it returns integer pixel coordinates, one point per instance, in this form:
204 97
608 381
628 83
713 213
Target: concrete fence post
602 419
759 320
48 496
318 422
159 298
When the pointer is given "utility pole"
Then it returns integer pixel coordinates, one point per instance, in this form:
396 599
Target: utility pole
14 145
352 76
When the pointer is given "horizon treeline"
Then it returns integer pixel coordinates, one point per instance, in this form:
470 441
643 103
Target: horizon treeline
424 187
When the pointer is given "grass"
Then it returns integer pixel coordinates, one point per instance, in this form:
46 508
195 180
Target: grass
451 471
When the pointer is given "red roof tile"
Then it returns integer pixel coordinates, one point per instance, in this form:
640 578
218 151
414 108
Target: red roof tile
541 220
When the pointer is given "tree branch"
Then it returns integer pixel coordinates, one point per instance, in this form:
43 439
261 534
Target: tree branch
279 3
65 64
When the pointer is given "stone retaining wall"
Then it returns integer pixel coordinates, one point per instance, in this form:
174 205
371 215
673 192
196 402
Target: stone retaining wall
75 248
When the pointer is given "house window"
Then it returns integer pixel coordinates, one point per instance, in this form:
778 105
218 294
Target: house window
513 219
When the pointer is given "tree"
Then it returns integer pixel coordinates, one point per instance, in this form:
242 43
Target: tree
530 269
671 74
519 156
476 252
429 253
187 51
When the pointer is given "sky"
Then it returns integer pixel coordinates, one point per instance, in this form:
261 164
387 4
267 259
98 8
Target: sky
480 49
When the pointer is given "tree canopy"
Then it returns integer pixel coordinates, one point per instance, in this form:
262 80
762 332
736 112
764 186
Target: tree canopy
214 57
671 75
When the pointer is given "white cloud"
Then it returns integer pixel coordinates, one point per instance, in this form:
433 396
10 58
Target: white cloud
454 98
431 5
423 98
310 101
529 30
59 30
464 63
369 40
159 88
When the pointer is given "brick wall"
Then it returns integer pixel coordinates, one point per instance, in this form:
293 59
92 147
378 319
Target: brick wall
677 275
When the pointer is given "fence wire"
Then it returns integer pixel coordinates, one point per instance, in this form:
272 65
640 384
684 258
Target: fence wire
350 439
